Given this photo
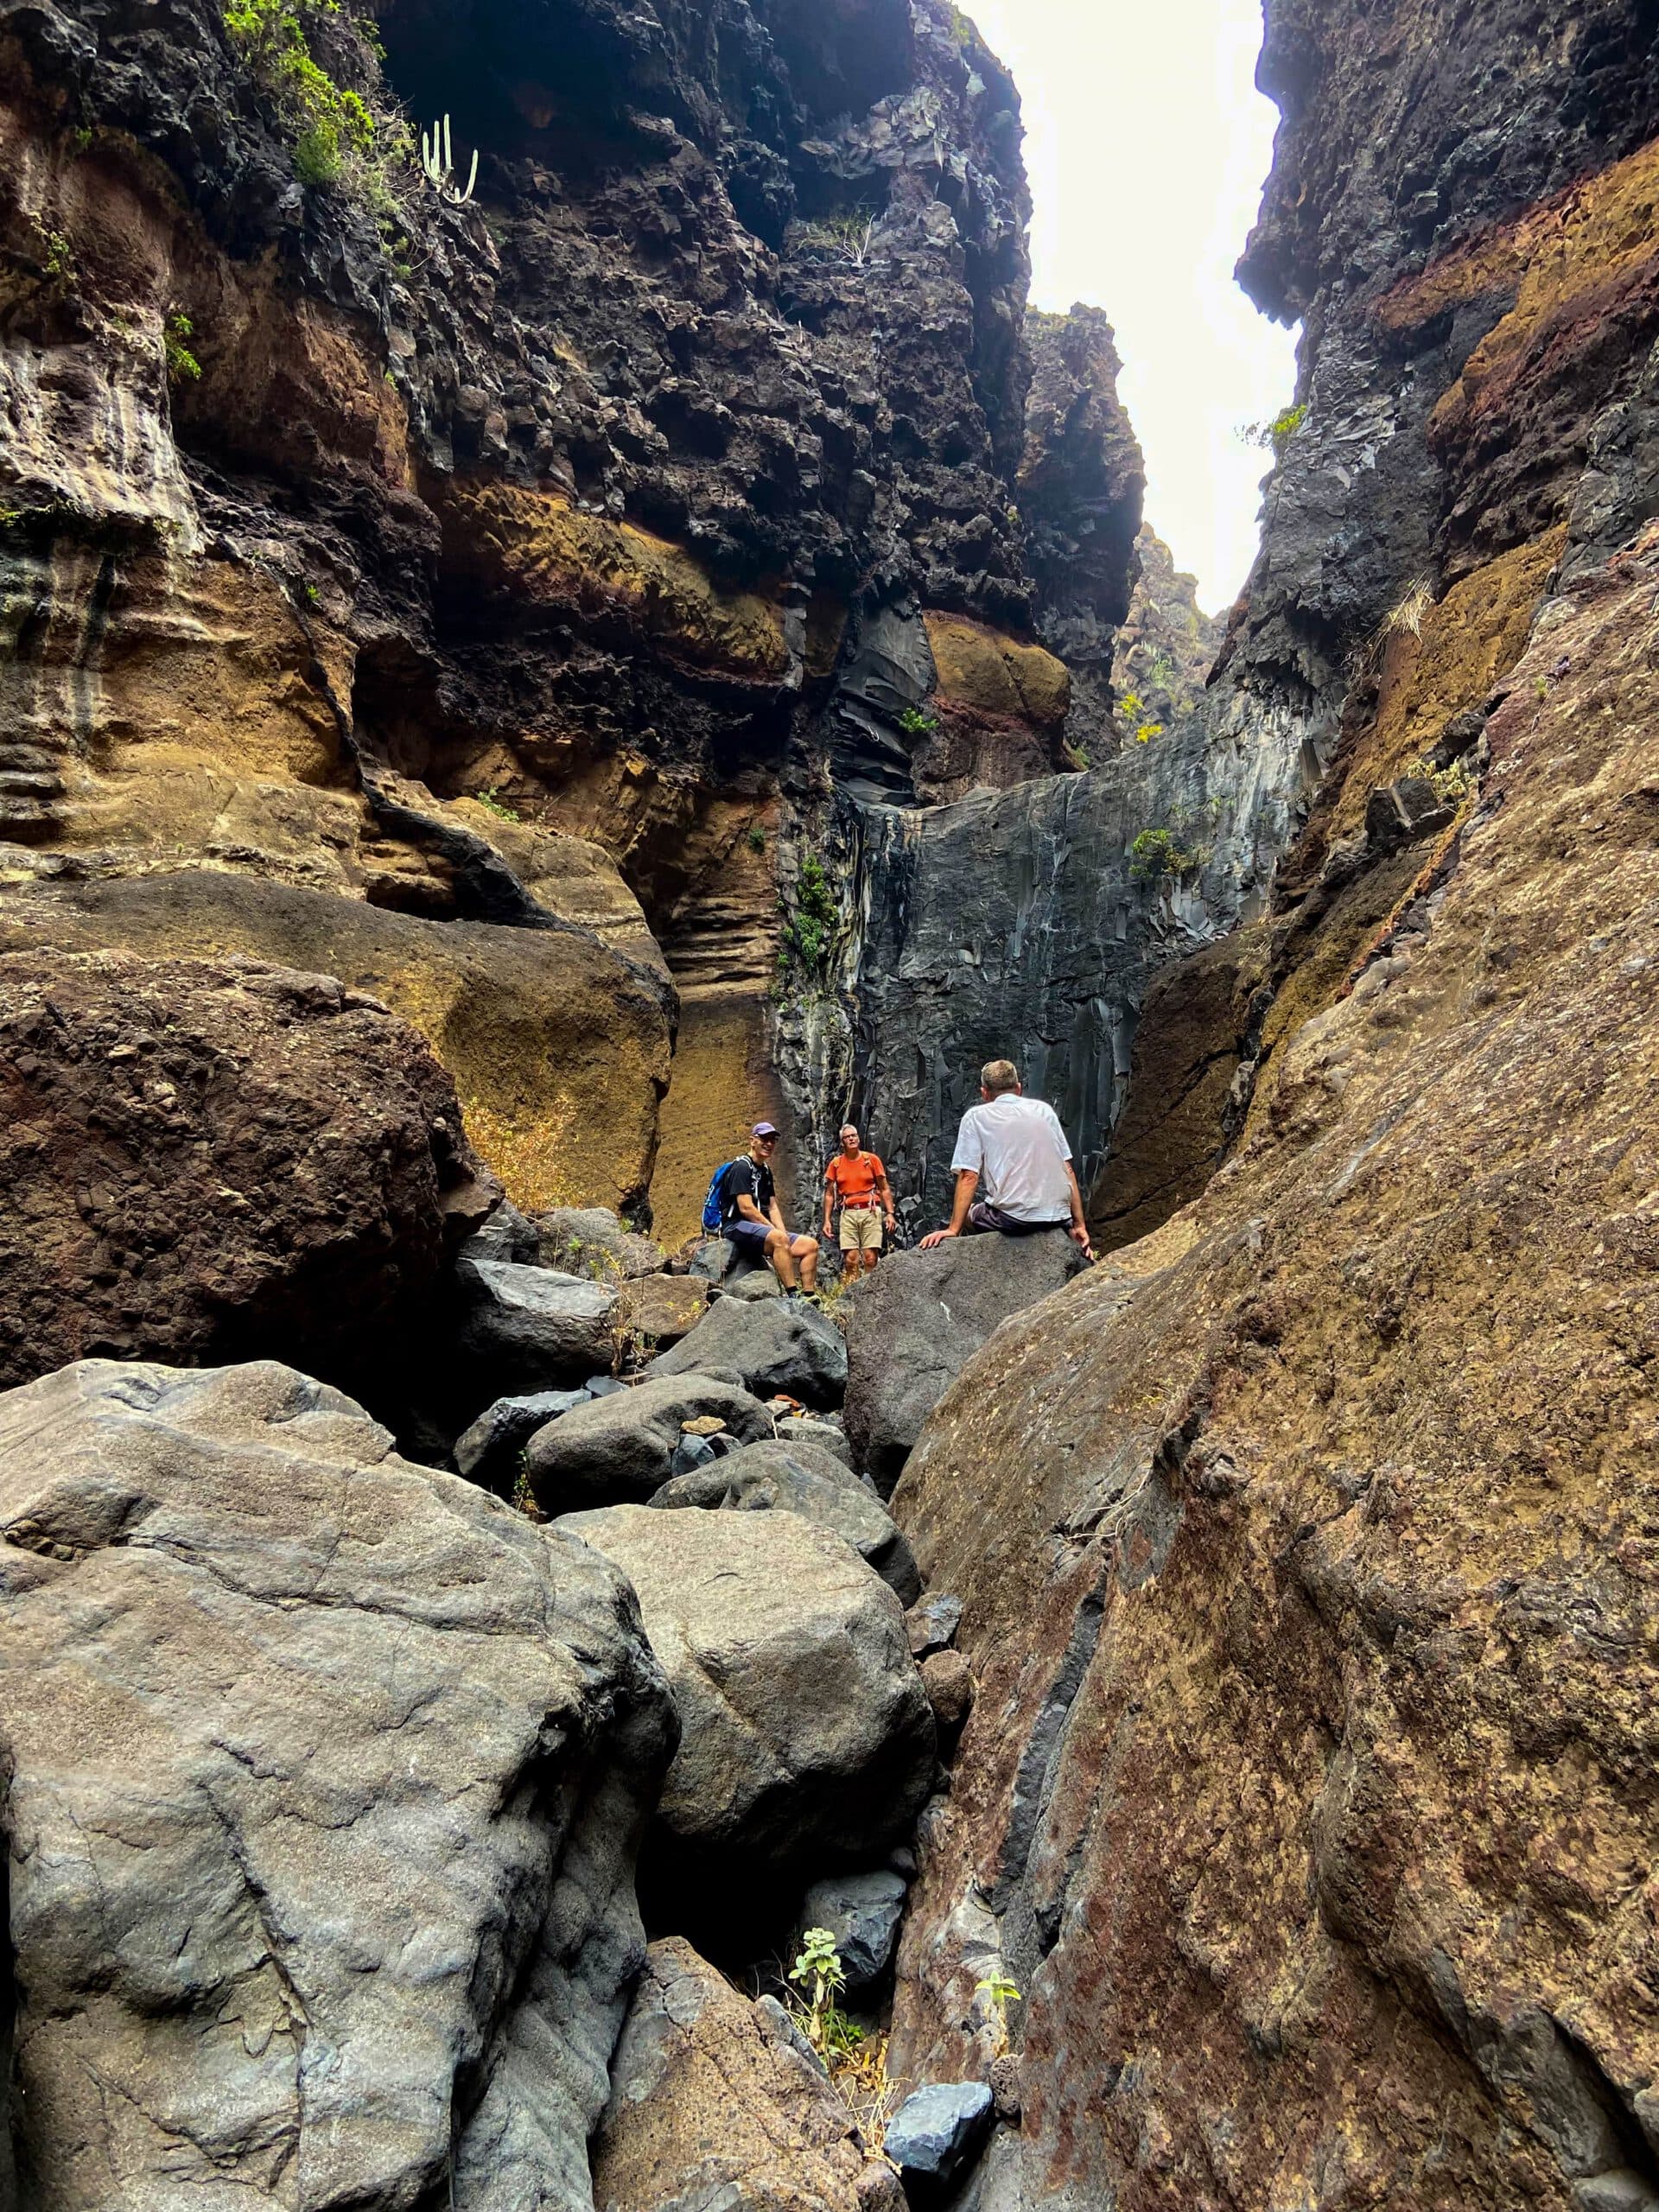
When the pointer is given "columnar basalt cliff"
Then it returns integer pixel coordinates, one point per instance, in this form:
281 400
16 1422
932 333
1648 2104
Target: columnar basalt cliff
1308 1796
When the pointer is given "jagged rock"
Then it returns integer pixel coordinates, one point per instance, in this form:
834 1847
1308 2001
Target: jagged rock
1330 1548
936 2130
505 1236
489 1452
1165 648
591 1241
820 1435
915 1322
753 1283
776 1345
660 1309
932 1624
308 1750
715 2103
526 1328
620 1449
806 1736
203 1156
799 1478
863 1912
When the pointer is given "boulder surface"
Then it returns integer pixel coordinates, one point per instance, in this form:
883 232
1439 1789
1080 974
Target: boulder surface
916 1322
620 1449
777 1345
325 1777
199 1157
712 2104
529 1328
806 1736
802 1478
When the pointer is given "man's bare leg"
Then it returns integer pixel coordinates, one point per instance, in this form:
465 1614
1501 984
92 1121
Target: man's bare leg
781 1253
805 1250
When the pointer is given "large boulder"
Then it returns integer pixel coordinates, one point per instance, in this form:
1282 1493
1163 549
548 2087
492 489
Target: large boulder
620 1449
806 1735
915 1323
489 1450
200 1157
712 2103
802 1478
777 1345
325 1775
528 1328
593 1240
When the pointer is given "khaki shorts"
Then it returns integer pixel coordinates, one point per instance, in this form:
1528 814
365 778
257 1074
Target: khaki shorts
861 1228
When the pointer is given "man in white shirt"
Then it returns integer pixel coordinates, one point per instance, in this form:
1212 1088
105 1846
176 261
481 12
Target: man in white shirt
1012 1166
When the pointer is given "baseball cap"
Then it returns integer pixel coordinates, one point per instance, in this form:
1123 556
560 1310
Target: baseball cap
763 1129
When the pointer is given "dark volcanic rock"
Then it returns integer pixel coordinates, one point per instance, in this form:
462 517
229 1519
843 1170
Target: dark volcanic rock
922 1315
776 1344
806 1736
488 1452
802 1478
528 1328
937 2130
306 1749
1165 645
200 1158
620 1448
863 1912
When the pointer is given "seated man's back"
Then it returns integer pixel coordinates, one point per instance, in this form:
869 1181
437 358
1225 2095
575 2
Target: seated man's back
1018 1149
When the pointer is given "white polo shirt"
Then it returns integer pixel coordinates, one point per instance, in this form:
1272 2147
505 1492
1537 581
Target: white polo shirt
1018 1151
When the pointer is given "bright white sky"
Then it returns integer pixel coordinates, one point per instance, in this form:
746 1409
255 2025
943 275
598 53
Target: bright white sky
1147 143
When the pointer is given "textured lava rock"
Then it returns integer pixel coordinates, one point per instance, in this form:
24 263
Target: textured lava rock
309 1751
711 2102
778 1345
620 1448
805 1734
1165 645
529 1328
937 2130
200 1157
488 1451
863 1912
805 1479
920 1317
1320 1598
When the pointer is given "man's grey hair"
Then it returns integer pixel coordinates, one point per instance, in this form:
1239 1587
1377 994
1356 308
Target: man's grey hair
998 1076
845 1126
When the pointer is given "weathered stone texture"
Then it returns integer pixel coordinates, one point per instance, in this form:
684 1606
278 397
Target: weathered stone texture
325 1777
1313 1549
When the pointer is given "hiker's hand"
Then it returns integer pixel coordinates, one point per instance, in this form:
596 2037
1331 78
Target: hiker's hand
891 1224
936 1237
1079 1234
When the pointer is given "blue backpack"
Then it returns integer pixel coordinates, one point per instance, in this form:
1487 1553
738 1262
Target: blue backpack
714 1207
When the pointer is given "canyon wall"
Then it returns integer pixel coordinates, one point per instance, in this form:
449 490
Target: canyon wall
1306 1545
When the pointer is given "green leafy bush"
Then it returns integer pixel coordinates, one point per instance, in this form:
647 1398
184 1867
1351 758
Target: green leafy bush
181 364
338 141
491 804
756 838
810 931
915 723
1154 854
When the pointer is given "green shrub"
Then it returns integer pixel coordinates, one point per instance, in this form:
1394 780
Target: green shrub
491 804
915 723
337 139
1147 731
1154 854
181 364
810 931
756 838
1278 434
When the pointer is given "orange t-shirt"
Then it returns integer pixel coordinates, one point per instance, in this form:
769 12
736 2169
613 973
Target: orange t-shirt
856 1179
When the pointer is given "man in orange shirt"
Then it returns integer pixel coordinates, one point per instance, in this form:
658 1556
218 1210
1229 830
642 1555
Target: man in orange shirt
860 1181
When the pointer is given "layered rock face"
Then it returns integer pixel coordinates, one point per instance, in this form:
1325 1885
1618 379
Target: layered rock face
1307 1795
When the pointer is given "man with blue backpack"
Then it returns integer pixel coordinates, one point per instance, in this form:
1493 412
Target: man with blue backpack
742 1205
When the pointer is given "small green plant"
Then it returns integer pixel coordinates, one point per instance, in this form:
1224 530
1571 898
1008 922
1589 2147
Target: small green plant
850 236
181 364
1540 689
310 591
999 1993
915 723
1148 731
487 799
818 1974
1277 433
58 263
808 935
962 28
524 1498
1154 854
1452 783
1129 705
336 140
438 163
756 838
81 139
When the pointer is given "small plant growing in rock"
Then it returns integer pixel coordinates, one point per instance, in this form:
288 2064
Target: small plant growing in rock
59 264
524 1498
915 723
962 28
818 1974
1277 433
181 364
999 1993
82 138
438 163
1148 731
807 937
1452 783
850 236
756 838
1129 705
1154 854
491 804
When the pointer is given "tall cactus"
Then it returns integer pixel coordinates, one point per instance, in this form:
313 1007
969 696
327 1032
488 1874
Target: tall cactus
437 159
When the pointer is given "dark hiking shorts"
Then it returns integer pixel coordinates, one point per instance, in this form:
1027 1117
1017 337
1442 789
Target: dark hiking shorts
984 1218
750 1238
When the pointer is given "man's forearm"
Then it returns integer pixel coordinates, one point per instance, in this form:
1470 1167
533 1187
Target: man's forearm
1077 1196
967 1184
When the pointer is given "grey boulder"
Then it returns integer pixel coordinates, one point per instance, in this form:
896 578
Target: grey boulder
715 2105
806 1736
592 1241
915 1323
800 1478
488 1451
525 1328
507 1235
863 1912
325 1775
777 1345
821 1433
620 1449
936 2130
